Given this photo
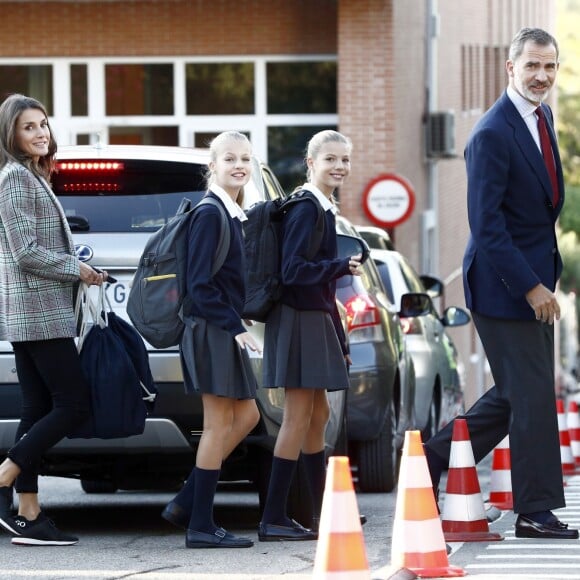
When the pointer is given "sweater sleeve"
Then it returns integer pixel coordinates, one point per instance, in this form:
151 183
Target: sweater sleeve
208 300
297 270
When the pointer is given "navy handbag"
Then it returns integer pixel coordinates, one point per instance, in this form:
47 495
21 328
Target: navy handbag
117 370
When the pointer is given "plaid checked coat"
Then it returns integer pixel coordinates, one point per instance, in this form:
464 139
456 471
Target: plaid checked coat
37 263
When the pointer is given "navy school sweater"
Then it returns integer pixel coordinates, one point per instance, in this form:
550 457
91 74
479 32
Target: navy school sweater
219 300
311 285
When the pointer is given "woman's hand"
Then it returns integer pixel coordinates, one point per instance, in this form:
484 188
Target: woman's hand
245 339
90 276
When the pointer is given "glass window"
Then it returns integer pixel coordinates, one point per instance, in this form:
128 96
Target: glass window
286 153
301 87
220 88
79 91
139 89
32 80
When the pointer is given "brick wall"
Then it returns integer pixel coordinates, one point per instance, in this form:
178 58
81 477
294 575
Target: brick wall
167 27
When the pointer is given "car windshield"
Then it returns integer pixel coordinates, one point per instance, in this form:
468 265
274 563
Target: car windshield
141 195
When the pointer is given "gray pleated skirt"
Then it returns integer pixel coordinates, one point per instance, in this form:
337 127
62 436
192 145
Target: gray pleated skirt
302 350
214 363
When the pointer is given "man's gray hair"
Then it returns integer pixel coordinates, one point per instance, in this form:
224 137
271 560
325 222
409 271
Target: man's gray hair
536 35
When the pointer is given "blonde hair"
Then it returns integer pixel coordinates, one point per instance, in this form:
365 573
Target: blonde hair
218 143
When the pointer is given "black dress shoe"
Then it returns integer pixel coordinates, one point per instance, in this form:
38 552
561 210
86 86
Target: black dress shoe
175 515
219 539
293 533
552 529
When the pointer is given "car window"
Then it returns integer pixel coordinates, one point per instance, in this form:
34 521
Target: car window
411 277
385 277
141 194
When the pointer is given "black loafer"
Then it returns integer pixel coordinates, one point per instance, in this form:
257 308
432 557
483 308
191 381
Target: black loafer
219 539
176 515
552 529
293 533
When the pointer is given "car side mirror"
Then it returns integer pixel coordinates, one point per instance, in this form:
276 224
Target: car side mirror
433 286
352 246
414 304
455 316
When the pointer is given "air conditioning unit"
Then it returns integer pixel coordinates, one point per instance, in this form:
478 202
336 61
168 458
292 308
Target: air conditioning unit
440 135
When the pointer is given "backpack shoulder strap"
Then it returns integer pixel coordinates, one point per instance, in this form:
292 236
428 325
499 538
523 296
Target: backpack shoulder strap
318 232
225 237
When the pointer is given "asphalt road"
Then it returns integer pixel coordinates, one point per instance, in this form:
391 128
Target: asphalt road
123 537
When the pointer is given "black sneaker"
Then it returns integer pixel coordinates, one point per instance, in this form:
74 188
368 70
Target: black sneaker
16 525
6 505
41 532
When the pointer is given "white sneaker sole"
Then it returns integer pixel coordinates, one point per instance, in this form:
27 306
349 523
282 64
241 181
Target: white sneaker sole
20 541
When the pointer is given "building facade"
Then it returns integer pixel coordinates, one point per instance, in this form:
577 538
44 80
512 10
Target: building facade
405 79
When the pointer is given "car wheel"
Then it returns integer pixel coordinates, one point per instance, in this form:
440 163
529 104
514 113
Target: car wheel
91 486
377 459
431 427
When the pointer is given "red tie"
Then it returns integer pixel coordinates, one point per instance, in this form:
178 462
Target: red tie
548 154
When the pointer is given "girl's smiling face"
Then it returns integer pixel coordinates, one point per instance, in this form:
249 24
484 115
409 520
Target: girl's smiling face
331 166
33 133
232 167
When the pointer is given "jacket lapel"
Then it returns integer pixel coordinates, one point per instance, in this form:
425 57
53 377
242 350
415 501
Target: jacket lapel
528 146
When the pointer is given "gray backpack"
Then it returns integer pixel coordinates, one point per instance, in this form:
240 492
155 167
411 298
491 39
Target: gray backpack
158 298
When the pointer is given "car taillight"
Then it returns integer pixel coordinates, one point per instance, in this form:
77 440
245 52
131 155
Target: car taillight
363 319
102 176
88 166
411 326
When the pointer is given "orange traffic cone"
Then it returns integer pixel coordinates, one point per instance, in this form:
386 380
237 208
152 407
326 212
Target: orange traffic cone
464 518
500 494
340 552
418 542
568 467
573 422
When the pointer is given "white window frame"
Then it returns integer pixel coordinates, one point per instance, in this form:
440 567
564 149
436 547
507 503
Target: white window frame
97 123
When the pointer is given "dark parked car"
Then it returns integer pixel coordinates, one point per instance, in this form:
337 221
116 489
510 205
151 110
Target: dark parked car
114 198
438 368
382 379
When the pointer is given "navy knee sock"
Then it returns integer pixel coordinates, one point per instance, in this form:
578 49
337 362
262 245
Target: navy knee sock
184 497
206 481
278 489
315 466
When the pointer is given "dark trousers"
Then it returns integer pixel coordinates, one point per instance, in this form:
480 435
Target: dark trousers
522 404
55 400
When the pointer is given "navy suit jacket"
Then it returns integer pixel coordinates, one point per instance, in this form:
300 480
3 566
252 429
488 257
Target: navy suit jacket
512 246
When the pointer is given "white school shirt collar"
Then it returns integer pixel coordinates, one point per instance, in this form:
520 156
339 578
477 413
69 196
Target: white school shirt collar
233 208
527 111
322 199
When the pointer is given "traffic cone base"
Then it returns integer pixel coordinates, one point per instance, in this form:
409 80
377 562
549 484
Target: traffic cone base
464 518
340 552
418 543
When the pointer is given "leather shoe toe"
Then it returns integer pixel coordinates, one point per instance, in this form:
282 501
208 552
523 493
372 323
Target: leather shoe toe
219 539
176 515
552 529
276 532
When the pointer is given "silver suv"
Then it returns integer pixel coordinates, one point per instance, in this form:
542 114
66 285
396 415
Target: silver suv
114 198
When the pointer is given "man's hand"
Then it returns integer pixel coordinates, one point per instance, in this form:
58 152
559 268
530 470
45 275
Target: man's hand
544 304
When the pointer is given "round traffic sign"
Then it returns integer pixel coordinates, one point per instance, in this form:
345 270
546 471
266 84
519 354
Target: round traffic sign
388 200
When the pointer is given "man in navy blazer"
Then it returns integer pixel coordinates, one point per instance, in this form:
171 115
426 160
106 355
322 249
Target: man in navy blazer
510 270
